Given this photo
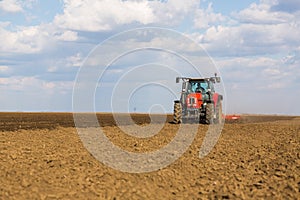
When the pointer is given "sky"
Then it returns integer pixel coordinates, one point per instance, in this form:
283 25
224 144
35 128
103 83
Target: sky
254 45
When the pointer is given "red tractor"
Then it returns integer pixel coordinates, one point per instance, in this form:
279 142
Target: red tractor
198 102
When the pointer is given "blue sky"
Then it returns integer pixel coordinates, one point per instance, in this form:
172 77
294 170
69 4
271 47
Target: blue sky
254 44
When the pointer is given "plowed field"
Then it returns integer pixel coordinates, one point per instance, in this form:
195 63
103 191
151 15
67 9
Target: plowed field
42 157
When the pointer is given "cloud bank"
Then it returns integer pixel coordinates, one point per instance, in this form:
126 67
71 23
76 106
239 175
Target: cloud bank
256 48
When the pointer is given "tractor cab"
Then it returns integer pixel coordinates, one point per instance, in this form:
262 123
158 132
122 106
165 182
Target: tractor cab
200 86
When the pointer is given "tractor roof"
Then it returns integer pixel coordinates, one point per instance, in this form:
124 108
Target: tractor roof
212 79
198 79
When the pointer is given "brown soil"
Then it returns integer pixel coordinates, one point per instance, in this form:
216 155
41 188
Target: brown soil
42 157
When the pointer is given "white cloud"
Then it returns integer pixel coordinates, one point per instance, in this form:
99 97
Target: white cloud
32 39
89 15
52 69
15 6
64 64
4 24
19 83
4 69
256 30
272 72
255 72
250 39
11 6
29 39
75 60
115 71
173 12
204 18
29 3
49 85
36 94
32 83
290 59
274 86
286 6
247 62
262 14
68 36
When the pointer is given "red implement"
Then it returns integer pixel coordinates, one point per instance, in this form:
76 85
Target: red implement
232 117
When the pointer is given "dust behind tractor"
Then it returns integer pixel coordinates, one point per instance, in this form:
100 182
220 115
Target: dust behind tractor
199 102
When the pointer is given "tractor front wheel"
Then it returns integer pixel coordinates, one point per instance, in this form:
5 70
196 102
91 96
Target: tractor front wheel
219 114
177 112
209 113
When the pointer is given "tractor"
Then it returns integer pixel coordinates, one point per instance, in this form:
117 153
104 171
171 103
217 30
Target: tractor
199 102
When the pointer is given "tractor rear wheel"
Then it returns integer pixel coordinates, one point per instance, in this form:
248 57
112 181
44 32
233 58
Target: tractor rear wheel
219 114
209 113
177 112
